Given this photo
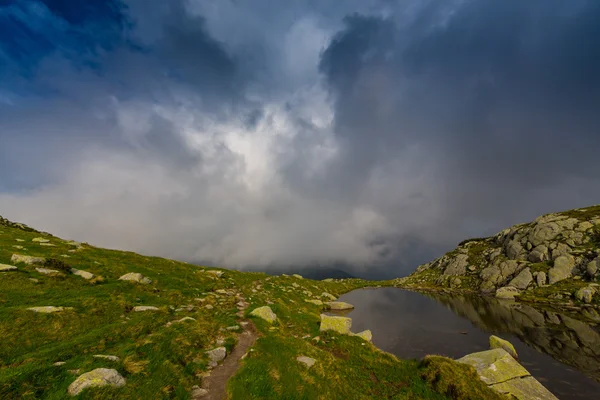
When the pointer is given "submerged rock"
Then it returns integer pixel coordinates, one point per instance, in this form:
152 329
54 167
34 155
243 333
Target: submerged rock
96 378
340 325
265 313
499 343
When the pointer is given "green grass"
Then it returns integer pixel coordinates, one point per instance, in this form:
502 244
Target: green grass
164 362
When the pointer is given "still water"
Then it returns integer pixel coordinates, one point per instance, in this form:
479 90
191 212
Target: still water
558 349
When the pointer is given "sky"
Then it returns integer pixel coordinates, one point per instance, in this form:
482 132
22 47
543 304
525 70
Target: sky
374 134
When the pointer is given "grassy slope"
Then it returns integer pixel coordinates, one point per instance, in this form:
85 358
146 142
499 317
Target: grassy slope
165 362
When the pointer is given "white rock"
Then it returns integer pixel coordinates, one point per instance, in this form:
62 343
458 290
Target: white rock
145 308
6 268
49 309
105 357
135 277
309 362
83 274
40 240
47 271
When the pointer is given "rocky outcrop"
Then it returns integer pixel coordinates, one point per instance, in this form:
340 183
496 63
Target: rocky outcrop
552 249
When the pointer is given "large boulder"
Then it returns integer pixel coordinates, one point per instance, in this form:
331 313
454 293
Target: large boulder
96 378
265 313
135 277
522 280
494 366
543 233
562 269
541 278
340 325
538 254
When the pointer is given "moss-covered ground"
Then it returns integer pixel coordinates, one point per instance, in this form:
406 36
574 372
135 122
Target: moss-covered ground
164 362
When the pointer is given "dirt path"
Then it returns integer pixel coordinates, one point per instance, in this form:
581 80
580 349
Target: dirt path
216 383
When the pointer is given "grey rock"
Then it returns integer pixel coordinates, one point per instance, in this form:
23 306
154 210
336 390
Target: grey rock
83 274
96 378
105 357
309 362
560 250
543 232
144 308
592 268
458 266
197 392
6 268
216 355
563 269
507 292
49 309
522 280
514 250
135 277
538 254
50 272
541 278
585 294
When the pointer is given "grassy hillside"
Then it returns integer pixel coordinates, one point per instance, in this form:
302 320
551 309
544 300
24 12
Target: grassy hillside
554 259
42 354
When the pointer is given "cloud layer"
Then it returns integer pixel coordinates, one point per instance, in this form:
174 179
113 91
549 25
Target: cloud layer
375 134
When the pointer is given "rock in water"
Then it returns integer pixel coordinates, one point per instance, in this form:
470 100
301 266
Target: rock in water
265 313
309 362
339 305
365 335
135 277
6 268
96 378
499 343
340 325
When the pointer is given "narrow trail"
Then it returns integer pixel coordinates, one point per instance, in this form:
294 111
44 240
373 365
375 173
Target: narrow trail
216 383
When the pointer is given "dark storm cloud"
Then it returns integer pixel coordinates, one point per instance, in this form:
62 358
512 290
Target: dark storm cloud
371 134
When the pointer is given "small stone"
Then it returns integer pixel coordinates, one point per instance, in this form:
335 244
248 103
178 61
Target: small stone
135 277
83 274
105 357
216 355
50 272
197 392
585 294
233 328
184 319
339 305
208 307
49 309
40 240
144 308
18 247
6 268
59 363
47 244
19 240
297 276
309 362
96 378
499 343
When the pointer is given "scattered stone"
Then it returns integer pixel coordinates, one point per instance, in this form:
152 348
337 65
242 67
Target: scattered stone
105 357
328 295
297 276
18 247
29 260
19 240
339 305
315 302
47 244
40 240
83 274
499 343
184 319
197 392
233 328
96 378
144 308
366 335
214 272
585 294
216 355
59 363
208 307
49 272
135 277
265 313
507 292
309 362
6 268
340 325
49 309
